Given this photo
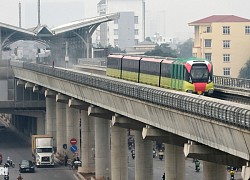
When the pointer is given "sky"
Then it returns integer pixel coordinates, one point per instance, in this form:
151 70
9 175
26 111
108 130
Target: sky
169 18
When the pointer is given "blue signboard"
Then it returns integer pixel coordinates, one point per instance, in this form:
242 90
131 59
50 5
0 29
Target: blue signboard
73 149
64 146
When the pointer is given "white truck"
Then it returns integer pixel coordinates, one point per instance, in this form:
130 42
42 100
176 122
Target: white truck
43 150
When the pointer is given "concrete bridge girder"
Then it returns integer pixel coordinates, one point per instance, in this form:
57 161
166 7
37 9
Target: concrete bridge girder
77 104
155 134
29 85
37 114
39 89
20 82
124 122
99 112
50 93
208 154
62 98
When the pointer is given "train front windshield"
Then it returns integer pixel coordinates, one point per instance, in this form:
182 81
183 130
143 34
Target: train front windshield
199 73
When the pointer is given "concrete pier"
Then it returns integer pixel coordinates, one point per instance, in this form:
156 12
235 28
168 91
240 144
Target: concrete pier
60 127
50 125
119 153
87 144
212 171
174 162
102 148
143 158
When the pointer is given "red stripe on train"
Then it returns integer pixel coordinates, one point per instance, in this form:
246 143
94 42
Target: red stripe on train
200 87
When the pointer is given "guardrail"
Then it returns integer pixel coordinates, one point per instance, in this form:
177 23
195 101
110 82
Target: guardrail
232 83
222 111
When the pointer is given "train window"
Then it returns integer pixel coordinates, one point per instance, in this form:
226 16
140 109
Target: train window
114 63
199 73
152 68
130 65
165 70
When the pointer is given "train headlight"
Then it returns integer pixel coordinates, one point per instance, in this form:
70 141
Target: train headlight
199 92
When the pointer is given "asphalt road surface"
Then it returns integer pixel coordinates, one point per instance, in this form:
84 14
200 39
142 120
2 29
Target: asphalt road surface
190 173
13 146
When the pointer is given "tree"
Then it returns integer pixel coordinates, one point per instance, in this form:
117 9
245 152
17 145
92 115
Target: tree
162 50
115 49
245 71
185 49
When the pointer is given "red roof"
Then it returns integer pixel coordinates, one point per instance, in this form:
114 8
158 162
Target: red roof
220 18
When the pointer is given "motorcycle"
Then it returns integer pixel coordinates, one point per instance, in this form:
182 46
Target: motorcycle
154 153
197 165
197 168
9 163
76 164
160 154
133 155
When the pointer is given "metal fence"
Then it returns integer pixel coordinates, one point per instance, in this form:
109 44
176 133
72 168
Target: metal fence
222 81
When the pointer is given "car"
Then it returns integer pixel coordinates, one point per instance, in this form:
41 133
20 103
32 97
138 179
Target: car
26 166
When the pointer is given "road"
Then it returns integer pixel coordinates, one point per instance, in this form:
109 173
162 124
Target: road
190 173
13 146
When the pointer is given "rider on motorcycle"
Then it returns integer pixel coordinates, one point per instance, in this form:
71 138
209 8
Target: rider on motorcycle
232 173
197 165
76 162
19 177
9 161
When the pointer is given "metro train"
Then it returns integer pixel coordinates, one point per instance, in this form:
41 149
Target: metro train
193 75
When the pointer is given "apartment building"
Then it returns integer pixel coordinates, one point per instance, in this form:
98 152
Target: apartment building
129 29
225 40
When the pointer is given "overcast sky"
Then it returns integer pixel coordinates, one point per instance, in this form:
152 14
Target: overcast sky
171 16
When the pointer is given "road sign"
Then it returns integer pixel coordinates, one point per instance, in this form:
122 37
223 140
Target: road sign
73 141
73 149
64 146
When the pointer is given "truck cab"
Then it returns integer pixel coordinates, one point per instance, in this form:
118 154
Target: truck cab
44 156
43 150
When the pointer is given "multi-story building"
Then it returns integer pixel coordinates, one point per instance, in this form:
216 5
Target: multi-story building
225 40
129 29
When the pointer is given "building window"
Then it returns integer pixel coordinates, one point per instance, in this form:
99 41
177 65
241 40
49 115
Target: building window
226 44
226 29
136 31
226 71
226 57
136 19
209 29
116 32
247 29
208 42
136 41
116 21
115 42
208 56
